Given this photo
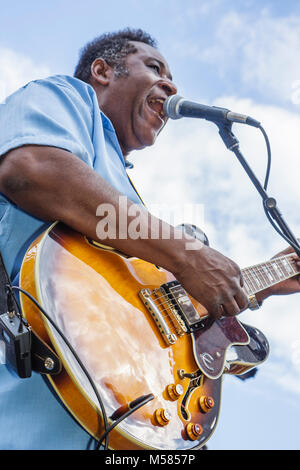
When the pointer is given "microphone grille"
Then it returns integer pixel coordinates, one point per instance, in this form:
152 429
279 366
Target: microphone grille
171 106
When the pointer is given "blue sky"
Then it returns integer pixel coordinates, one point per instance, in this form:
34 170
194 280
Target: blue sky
243 55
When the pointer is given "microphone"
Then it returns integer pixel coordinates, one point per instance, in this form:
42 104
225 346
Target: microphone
176 107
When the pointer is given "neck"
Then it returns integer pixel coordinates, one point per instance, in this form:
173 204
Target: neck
263 275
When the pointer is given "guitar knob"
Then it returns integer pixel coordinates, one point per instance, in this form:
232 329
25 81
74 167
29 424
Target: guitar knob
174 391
206 403
194 431
162 416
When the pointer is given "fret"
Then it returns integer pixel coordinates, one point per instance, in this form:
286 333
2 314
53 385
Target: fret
247 286
269 274
280 270
274 270
263 275
283 265
292 266
255 278
248 278
287 266
260 277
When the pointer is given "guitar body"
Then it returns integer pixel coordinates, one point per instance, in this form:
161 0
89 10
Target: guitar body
93 295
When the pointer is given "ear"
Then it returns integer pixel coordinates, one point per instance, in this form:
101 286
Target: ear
101 72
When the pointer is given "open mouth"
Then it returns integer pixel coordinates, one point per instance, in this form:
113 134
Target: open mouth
157 105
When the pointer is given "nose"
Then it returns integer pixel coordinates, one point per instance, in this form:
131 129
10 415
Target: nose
168 86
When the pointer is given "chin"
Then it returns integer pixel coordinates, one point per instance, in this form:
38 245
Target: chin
142 138
149 138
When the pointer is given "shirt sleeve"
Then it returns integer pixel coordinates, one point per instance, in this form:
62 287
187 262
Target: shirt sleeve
50 112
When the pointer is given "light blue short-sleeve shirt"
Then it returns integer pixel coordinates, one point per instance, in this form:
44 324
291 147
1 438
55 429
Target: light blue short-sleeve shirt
63 112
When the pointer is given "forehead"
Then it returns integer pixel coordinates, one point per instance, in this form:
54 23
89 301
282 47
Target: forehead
146 52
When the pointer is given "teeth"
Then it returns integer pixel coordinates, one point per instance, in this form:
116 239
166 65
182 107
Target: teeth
157 100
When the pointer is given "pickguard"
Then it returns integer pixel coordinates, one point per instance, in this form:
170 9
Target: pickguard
211 343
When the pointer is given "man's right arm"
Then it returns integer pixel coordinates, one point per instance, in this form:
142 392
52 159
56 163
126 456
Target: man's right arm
53 184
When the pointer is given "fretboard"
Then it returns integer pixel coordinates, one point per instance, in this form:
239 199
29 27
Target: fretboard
263 275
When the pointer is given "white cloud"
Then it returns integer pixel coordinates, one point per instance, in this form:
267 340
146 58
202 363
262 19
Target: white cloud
17 70
258 50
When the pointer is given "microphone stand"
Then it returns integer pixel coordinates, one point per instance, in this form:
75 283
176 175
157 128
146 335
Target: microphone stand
270 204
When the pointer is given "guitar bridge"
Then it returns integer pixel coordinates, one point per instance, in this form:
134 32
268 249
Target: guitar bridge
150 303
175 318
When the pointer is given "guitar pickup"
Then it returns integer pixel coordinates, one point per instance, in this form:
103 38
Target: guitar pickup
181 302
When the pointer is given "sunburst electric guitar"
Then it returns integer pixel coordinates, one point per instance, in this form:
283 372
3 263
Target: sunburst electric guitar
137 332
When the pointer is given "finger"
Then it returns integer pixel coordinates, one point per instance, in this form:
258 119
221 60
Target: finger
242 300
296 258
221 311
231 308
214 311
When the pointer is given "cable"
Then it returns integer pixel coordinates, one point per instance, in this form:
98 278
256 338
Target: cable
77 359
108 429
269 157
125 415
272 222
279 231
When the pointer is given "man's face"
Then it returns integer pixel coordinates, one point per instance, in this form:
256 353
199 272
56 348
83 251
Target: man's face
134 103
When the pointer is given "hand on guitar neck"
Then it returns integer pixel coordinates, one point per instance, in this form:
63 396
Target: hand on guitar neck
214 280
286 287
223 285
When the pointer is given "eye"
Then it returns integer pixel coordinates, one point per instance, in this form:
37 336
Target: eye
155 67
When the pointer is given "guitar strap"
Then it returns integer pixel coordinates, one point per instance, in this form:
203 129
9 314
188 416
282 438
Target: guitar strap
130 180
24 349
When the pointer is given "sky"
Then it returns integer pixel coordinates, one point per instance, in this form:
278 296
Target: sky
243 55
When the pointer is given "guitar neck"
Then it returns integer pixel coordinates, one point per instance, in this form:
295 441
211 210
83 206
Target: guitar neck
263 275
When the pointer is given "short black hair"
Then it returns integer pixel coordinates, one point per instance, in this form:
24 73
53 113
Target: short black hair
113 48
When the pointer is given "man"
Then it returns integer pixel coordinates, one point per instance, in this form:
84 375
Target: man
61 158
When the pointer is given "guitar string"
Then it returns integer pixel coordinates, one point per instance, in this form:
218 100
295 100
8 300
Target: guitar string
247 274
168 296
259 272
166 310
252 285
269 265
167 301
169 321
166 305
257 277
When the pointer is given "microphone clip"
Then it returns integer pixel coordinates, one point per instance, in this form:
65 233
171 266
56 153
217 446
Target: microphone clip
228 137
